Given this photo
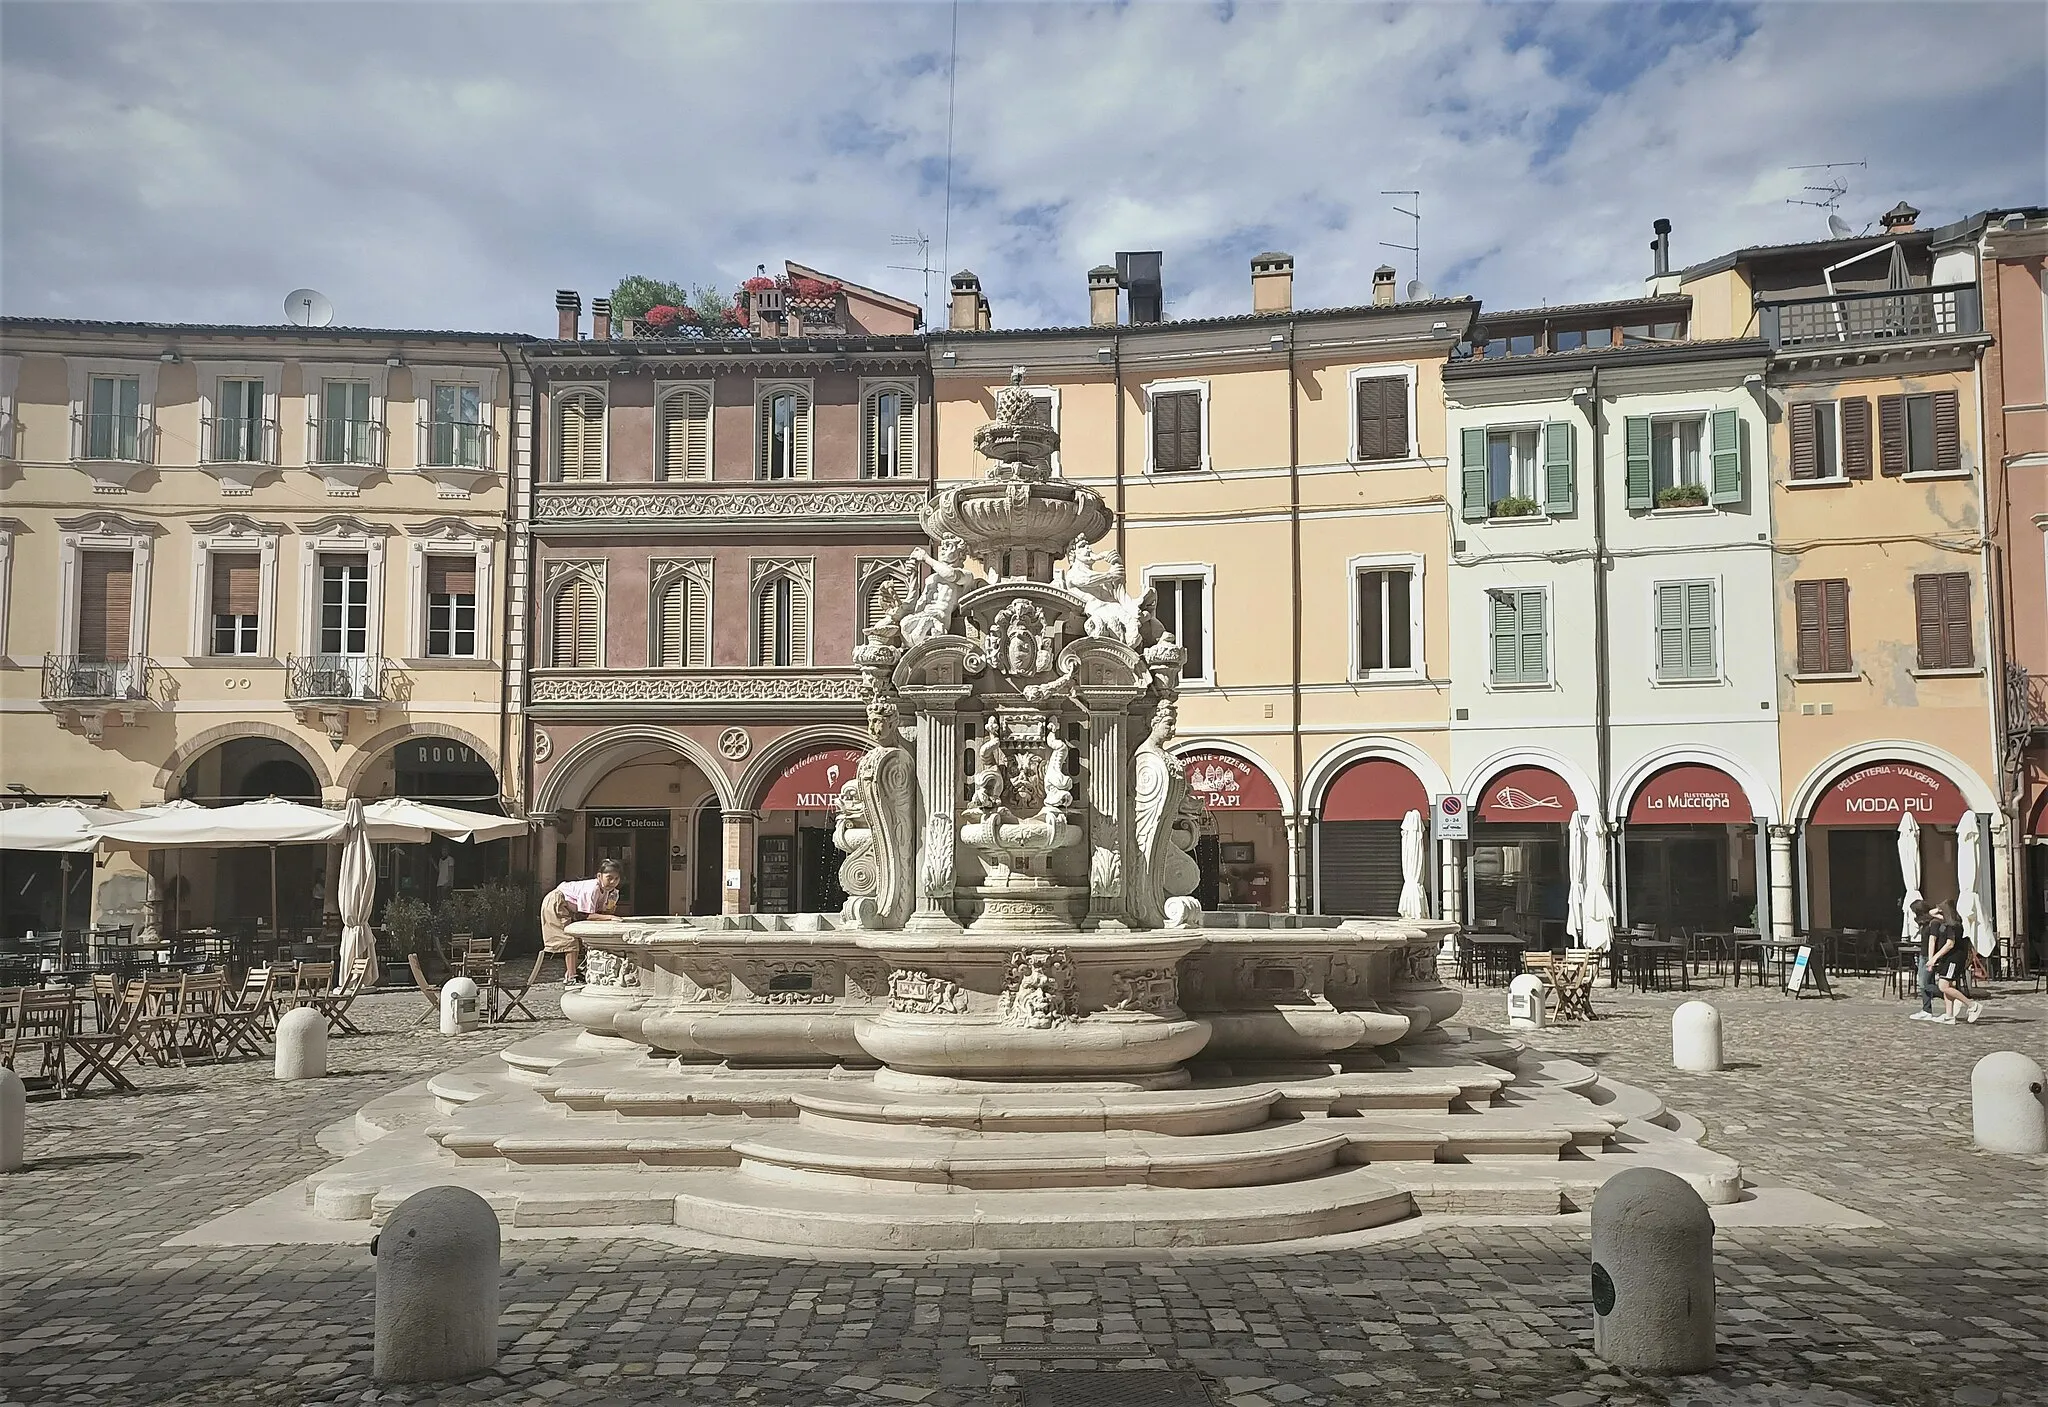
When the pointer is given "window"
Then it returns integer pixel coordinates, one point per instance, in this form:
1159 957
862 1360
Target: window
1822 612
573 638
782 620
1941 611
1511 465
237 594
1685 631
344 604
1684 461
1816 440
238 423
1389 626
1181 608
685 449
1651 333
579 437
1176 430
347 431
1520 635
456 430
888 435
451 607
1518 470
106 597
1675 454
1920 434
113 418
681 615
783 449
1381 404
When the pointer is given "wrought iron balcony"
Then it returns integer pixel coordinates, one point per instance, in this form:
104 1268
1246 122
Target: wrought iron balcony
1847 319
75 679
2026 702
338 440
334 679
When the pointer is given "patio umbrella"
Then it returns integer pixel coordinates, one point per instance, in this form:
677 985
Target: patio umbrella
1414 853
1909 870
56 825
400 818
1596 909
358 893
272 821
1970 908
1575 859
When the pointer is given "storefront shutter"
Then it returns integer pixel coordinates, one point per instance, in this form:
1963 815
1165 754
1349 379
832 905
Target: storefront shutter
1805 441
106 583
1948 443
1891 435
1855 414
686 435
1473 501
1727 452
1558 455
237 582
1636 440
1359 867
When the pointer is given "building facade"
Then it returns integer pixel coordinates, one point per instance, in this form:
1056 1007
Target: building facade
249 561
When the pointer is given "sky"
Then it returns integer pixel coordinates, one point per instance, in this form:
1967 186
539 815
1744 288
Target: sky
450 165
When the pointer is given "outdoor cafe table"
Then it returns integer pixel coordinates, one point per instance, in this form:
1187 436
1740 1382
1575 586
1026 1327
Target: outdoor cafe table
1499 956
1643 954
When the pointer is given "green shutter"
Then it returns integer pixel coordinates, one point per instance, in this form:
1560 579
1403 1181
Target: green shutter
1671 631
1532 636
1507 648
1637 438
1699 630
1472 483
1558 455
1727 487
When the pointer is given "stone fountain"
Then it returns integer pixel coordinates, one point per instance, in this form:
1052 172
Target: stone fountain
1020 1030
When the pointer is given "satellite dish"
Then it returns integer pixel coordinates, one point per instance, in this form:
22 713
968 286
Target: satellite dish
1838 227
308 307
1418 291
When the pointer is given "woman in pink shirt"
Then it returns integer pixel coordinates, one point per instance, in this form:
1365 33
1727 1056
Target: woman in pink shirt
575 899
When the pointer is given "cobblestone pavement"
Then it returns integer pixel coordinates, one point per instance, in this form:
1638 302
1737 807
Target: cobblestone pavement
1946 1303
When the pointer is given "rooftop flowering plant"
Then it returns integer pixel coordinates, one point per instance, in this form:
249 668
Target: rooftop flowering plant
759 283
661 315
813 289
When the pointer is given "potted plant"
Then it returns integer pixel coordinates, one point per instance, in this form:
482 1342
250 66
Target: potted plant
1682 496
410 926
1516 506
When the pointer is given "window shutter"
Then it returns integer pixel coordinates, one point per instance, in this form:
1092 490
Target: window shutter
799 624
1371 420
1805 442
906 436
697 621
683 624
1507 644
686 435
1948 442
237 578
800 438
1835 605
566 629
1394 416
1960 651
451 576
1671 630
1855 415
579 438
1177 430
1558 454
764 435
1891 435
1809 613
1699 630
766 636
1473 502
1727 449
1533 632
1636 440
106 583
1928 624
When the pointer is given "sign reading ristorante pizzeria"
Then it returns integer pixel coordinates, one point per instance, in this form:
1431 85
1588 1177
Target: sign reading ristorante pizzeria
1229 783
1689 794
1883 792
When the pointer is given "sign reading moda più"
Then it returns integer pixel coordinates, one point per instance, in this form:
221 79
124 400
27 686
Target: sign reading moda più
1883 792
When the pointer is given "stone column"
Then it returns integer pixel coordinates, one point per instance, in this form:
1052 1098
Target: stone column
1451 885
1109 811
1784 908
1301 891
739 860
938 770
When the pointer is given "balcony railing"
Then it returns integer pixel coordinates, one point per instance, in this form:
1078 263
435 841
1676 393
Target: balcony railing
457 444
334 679
241 439
113 435
339 441
77 679
1888 315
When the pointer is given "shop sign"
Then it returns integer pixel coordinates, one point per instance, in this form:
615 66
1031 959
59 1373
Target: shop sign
1527 796
1453 820
1689 794
439 753
1884 792
628 821
812 783
1230 783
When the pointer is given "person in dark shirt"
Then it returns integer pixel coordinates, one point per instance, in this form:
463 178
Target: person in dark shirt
1923 969
1951 960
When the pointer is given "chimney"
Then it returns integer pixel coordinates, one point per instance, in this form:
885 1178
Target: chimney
600 319
1383 286
1660 248
964 315
1272 283
568 312
1900 219
982 321
1102 292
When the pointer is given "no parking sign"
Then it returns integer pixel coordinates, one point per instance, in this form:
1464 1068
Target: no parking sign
1453 821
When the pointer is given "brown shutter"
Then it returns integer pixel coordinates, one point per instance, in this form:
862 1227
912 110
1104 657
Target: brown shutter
1371 420
1948 440
1891 435
1177 430
451 576
1811 635
1927 622
1835 623
106 584
237 578
1394 416
1960 651
1805 448
1856 438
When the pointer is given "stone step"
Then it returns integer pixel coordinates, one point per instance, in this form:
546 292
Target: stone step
1182 1112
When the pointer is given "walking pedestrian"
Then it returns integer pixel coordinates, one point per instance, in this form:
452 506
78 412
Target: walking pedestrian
575 899
1951 961
1923 954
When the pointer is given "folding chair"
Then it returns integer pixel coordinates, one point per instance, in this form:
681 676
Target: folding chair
1572 979
430 990
161 1020
515 990
334 1005
103 1052
37 1038
238 1018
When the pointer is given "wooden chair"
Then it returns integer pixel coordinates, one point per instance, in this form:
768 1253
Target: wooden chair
102 1053
38 1037
1571 977
238 1017
316 982
515 990
161 1020
430 990
334 1005
201 999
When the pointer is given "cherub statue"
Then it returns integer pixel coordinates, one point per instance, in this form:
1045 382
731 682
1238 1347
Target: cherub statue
1059 777
1112 612
932 612
989 783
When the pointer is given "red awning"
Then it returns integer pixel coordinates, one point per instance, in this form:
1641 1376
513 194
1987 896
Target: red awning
1527 796
1229 783
1376 789
812 782
1690 794
1881 793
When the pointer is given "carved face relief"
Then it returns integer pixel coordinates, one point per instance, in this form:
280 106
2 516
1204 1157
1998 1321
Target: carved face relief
1040 992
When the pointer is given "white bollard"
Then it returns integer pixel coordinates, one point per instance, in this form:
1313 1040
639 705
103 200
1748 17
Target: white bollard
2006 1113
1653 1274
458 1006
301 1045
437 1288
1525 1003
1696 1037
13 1121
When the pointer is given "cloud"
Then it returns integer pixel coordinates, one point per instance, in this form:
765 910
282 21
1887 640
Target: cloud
452 164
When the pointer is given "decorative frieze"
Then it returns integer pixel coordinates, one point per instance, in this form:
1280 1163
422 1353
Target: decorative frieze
588 505
701 686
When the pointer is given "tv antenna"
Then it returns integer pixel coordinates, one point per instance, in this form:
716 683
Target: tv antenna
922 243
1828 193
1416 216
308 307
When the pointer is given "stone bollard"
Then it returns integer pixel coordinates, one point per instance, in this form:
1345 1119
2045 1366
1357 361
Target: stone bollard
1653 1274
1696 1037
2006 1113
301 1045
437 1288
13 1121
458 1006
1525 1003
